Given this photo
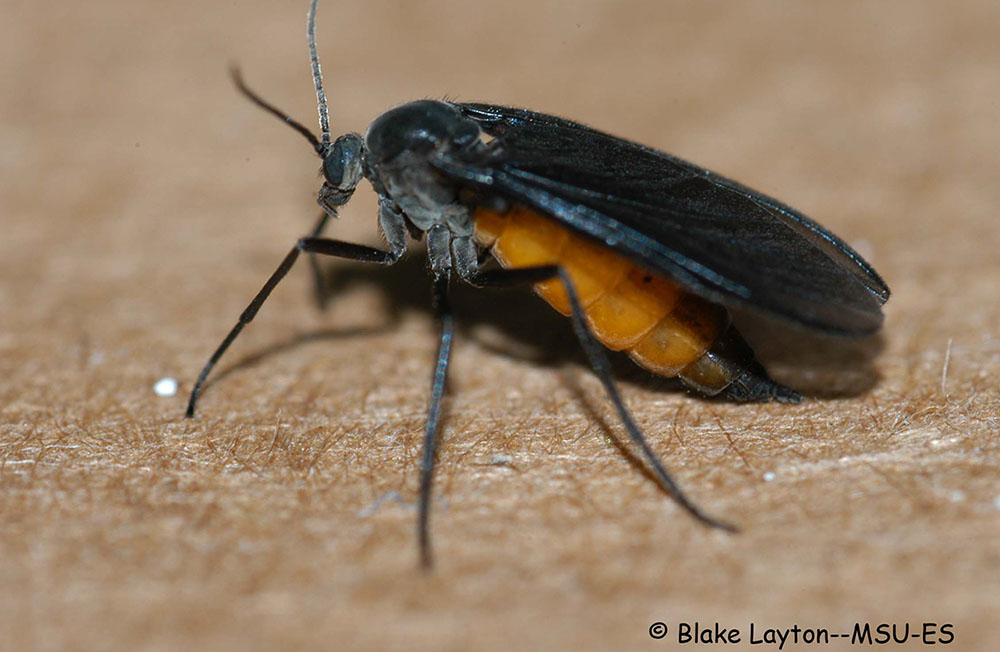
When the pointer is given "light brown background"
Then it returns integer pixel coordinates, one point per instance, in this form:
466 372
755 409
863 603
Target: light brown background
144 202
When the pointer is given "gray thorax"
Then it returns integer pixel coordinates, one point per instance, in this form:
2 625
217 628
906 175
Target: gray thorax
416 193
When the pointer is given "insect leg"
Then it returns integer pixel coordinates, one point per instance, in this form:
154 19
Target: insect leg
320 289
599 363
320 246
442 306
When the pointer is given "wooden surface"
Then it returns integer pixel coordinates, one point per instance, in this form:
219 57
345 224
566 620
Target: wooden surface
144 202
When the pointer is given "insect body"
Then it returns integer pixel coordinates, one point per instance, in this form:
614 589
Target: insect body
644 251
668 331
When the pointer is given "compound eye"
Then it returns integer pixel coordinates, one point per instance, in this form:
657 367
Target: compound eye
342 164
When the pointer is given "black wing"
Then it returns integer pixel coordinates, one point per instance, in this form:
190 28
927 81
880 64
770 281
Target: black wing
716 237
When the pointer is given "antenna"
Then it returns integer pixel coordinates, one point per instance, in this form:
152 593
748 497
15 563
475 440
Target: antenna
273 110
324 113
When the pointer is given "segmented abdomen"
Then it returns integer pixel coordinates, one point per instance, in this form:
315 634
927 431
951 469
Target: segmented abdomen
628 308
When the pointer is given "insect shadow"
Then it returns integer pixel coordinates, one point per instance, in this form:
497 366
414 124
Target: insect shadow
516 324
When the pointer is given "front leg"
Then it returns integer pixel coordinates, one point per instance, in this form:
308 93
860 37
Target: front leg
320 289
391 222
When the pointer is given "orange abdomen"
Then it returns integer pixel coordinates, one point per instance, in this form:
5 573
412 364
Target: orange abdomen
662 327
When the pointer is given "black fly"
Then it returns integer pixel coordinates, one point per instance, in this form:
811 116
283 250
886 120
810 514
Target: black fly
692 241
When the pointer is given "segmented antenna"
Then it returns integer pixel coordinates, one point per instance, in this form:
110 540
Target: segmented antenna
275 111
324 113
